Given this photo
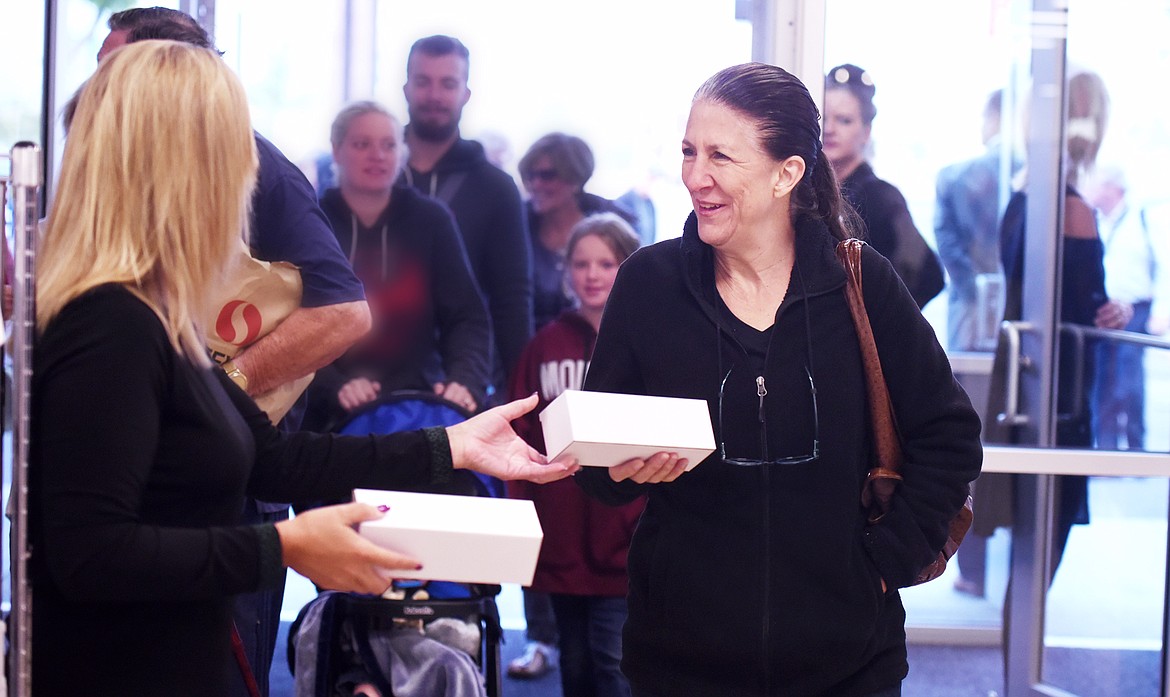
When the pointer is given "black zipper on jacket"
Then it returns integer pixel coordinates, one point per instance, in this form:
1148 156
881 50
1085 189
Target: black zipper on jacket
766 629
761 392
766 487
713 314
766 625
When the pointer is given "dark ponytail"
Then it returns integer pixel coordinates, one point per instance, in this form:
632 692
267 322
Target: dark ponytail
787 122
830 206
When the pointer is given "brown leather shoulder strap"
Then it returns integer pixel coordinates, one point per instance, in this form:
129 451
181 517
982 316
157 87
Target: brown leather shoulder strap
889 448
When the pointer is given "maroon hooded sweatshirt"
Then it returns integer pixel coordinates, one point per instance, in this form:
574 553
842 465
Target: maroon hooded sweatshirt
585 541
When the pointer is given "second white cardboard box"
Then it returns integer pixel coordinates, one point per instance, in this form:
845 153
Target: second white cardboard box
456 538
603 429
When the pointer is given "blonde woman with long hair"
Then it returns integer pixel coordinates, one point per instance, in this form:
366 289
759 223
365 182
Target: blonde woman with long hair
142 451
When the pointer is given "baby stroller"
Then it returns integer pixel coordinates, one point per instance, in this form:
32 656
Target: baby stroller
424 637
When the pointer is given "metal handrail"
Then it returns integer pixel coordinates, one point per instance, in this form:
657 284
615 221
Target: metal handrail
1080 333
1116 335
1011 331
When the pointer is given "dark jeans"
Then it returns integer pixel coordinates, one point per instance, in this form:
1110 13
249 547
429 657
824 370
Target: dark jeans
1120 390
257 617
591 645
538 617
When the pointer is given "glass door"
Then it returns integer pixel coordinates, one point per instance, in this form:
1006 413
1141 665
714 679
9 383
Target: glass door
942 132
1060 588
1104 608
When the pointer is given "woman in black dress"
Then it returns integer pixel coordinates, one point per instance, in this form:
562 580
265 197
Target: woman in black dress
849 114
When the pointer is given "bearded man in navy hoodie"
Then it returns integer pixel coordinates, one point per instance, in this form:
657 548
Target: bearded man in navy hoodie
483 198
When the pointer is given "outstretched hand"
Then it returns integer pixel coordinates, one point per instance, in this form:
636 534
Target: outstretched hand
487 444
323 545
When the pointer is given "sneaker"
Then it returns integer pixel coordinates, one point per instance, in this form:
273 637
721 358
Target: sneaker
538 659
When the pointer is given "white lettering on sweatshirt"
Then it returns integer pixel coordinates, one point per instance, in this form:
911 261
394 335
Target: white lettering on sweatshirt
558 376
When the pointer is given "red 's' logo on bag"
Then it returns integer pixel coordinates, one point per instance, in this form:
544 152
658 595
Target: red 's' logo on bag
233 312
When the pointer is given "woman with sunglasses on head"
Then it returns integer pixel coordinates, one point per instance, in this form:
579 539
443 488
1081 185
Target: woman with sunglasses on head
756 573
554 171
887 225
142 450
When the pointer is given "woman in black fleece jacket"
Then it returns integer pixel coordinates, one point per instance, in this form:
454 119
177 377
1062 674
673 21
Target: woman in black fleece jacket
756 573
431 327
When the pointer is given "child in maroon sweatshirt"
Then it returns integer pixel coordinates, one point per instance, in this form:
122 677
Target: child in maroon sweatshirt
583 559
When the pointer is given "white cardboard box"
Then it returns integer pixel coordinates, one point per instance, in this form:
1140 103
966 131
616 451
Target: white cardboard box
603 429
457 538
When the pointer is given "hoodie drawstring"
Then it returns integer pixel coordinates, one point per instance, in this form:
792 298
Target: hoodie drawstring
433 186
353 240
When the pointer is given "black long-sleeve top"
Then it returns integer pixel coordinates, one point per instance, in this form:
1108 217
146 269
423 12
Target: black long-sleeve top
140 462
891 231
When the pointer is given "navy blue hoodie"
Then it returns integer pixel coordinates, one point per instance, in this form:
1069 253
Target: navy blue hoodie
430 323
486 205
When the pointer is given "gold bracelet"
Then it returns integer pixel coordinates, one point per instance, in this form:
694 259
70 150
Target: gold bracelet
237 376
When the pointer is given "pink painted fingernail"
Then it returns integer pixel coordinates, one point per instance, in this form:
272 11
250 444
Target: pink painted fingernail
418 567
383 508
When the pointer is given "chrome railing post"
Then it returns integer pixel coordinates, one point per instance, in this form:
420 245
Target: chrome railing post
26 179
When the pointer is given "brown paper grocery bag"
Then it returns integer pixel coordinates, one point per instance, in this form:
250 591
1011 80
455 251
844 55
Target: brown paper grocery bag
257 296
